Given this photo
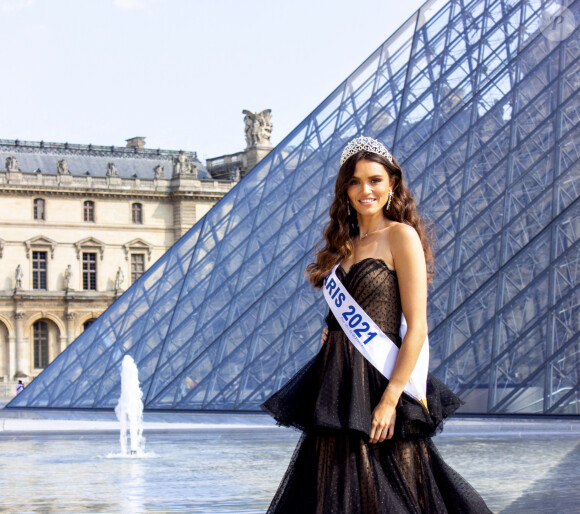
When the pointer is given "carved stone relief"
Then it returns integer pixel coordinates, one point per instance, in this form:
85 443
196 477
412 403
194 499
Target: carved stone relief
159 171
258 127
12 164
112 170
62 167
182 165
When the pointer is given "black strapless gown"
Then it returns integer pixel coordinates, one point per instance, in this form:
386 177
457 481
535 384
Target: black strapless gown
334 468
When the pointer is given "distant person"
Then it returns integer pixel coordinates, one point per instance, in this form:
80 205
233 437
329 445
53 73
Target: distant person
366 403
19 387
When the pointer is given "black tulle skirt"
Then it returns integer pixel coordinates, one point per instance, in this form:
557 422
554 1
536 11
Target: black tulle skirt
335 469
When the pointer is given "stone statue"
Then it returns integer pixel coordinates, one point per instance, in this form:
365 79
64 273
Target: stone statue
67 277
182 165
235 175
11 164
159 171
119 278
112 170
19 276
258 127
62 167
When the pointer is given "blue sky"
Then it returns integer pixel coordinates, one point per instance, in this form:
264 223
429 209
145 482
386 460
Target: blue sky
177 71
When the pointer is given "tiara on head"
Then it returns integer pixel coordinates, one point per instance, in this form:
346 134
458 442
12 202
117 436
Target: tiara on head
368 144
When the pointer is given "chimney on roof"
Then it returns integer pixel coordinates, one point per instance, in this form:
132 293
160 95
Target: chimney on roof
136 142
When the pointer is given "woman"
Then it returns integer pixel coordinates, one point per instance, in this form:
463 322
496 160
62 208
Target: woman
366 444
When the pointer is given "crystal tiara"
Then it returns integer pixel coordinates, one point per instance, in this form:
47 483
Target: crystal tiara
368 144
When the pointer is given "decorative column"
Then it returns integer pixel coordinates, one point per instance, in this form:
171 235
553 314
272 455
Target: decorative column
70 330
22 350
62 344
11 357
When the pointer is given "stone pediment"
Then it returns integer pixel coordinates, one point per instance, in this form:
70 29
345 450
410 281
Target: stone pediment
40 242
138 244
90 243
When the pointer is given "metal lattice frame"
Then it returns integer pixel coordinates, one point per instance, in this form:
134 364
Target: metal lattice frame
483 110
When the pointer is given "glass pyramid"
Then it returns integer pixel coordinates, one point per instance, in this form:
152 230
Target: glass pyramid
480 102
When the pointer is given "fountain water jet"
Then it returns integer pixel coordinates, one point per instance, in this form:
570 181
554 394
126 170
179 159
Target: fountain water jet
129 410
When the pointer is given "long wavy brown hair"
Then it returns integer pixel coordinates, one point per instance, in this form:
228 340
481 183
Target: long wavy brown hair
342 228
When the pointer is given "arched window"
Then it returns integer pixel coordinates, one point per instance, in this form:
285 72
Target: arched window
39 211
40 336
137 213
88 323
89 210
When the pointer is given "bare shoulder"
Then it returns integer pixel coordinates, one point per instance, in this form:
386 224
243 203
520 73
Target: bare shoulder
406 247
397 242
403 234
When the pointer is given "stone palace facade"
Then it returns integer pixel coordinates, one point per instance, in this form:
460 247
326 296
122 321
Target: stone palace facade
78 225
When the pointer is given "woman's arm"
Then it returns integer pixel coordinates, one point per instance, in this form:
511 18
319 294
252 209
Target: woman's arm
324 335
409 260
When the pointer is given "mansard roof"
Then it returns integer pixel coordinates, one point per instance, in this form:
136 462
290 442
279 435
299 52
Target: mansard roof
39 156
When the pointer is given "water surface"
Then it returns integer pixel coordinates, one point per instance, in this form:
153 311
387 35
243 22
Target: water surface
229 471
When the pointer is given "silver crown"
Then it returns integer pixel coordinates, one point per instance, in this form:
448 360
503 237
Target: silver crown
368 144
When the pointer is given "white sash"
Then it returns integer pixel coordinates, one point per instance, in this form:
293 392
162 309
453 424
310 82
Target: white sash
370 340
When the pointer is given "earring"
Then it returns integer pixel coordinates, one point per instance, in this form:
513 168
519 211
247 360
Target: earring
352 220
389 200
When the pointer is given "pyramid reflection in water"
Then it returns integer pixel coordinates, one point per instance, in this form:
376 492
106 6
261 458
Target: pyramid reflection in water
480 103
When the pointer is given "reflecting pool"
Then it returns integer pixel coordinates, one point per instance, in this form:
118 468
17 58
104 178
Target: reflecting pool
238 470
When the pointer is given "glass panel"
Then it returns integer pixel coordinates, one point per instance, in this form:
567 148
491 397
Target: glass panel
525 310
258 371
569 404
534 183
484 194
566 320
564 374
524 269
476 394
476 272
528 224
521 360
570 116
471 316
469 361
528 399
566 272
567 228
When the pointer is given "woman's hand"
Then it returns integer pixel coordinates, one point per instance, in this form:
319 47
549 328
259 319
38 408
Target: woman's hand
324 336
382 422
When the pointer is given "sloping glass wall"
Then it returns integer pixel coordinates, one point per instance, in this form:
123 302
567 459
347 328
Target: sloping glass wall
480 102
